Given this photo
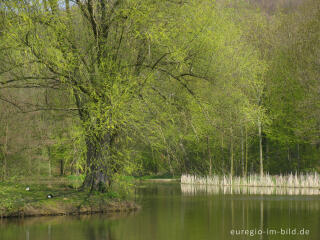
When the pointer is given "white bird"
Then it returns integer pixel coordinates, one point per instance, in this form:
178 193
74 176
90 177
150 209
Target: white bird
27 188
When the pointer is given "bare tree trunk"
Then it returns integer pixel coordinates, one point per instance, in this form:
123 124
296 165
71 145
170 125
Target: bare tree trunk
5 153
267 151
222 154
169 162
185 158
260 147
61 167
209 157
231 154
242 153
298 156
289 159
246 167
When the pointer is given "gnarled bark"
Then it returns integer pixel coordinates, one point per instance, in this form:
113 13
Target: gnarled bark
99 163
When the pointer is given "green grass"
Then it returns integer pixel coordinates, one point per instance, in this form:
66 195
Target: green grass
15 200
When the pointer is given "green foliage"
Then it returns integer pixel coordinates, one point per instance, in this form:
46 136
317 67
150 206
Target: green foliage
157 87
122 187
75 181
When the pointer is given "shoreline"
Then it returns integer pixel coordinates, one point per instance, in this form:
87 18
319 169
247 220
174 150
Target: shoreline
66 209
21 200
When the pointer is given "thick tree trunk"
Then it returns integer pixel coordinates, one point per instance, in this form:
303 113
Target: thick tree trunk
99 155
95 168
97 174
96 180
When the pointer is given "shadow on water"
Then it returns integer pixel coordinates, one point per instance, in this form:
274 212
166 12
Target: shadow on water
171 211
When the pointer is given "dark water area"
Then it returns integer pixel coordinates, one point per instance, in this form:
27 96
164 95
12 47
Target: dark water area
170 213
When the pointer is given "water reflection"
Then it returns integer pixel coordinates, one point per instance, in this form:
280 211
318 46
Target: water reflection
193 189
84 227
179 212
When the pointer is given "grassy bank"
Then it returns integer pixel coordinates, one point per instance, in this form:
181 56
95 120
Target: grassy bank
290 181
16 201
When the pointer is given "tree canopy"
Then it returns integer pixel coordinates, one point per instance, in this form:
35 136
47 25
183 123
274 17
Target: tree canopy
122 87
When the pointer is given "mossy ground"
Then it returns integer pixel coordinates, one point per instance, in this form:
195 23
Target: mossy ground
15 200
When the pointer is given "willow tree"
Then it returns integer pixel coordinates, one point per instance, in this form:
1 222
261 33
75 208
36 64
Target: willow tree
208 113
105 53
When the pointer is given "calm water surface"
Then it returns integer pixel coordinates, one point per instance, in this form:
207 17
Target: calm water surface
171 213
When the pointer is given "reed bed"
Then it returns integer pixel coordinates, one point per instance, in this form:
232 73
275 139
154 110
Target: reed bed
284 181
194 189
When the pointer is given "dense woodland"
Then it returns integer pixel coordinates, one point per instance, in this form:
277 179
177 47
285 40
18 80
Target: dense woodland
106 88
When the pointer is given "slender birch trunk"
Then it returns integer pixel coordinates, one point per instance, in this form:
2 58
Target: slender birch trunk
231 154
246 167
242 152
222 153
260 147
298 157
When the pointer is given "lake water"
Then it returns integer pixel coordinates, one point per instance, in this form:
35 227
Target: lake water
173 212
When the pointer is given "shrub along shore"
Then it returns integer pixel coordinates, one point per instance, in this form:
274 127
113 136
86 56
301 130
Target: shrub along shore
290 181
20 200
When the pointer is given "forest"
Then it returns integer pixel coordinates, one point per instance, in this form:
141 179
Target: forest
104 89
